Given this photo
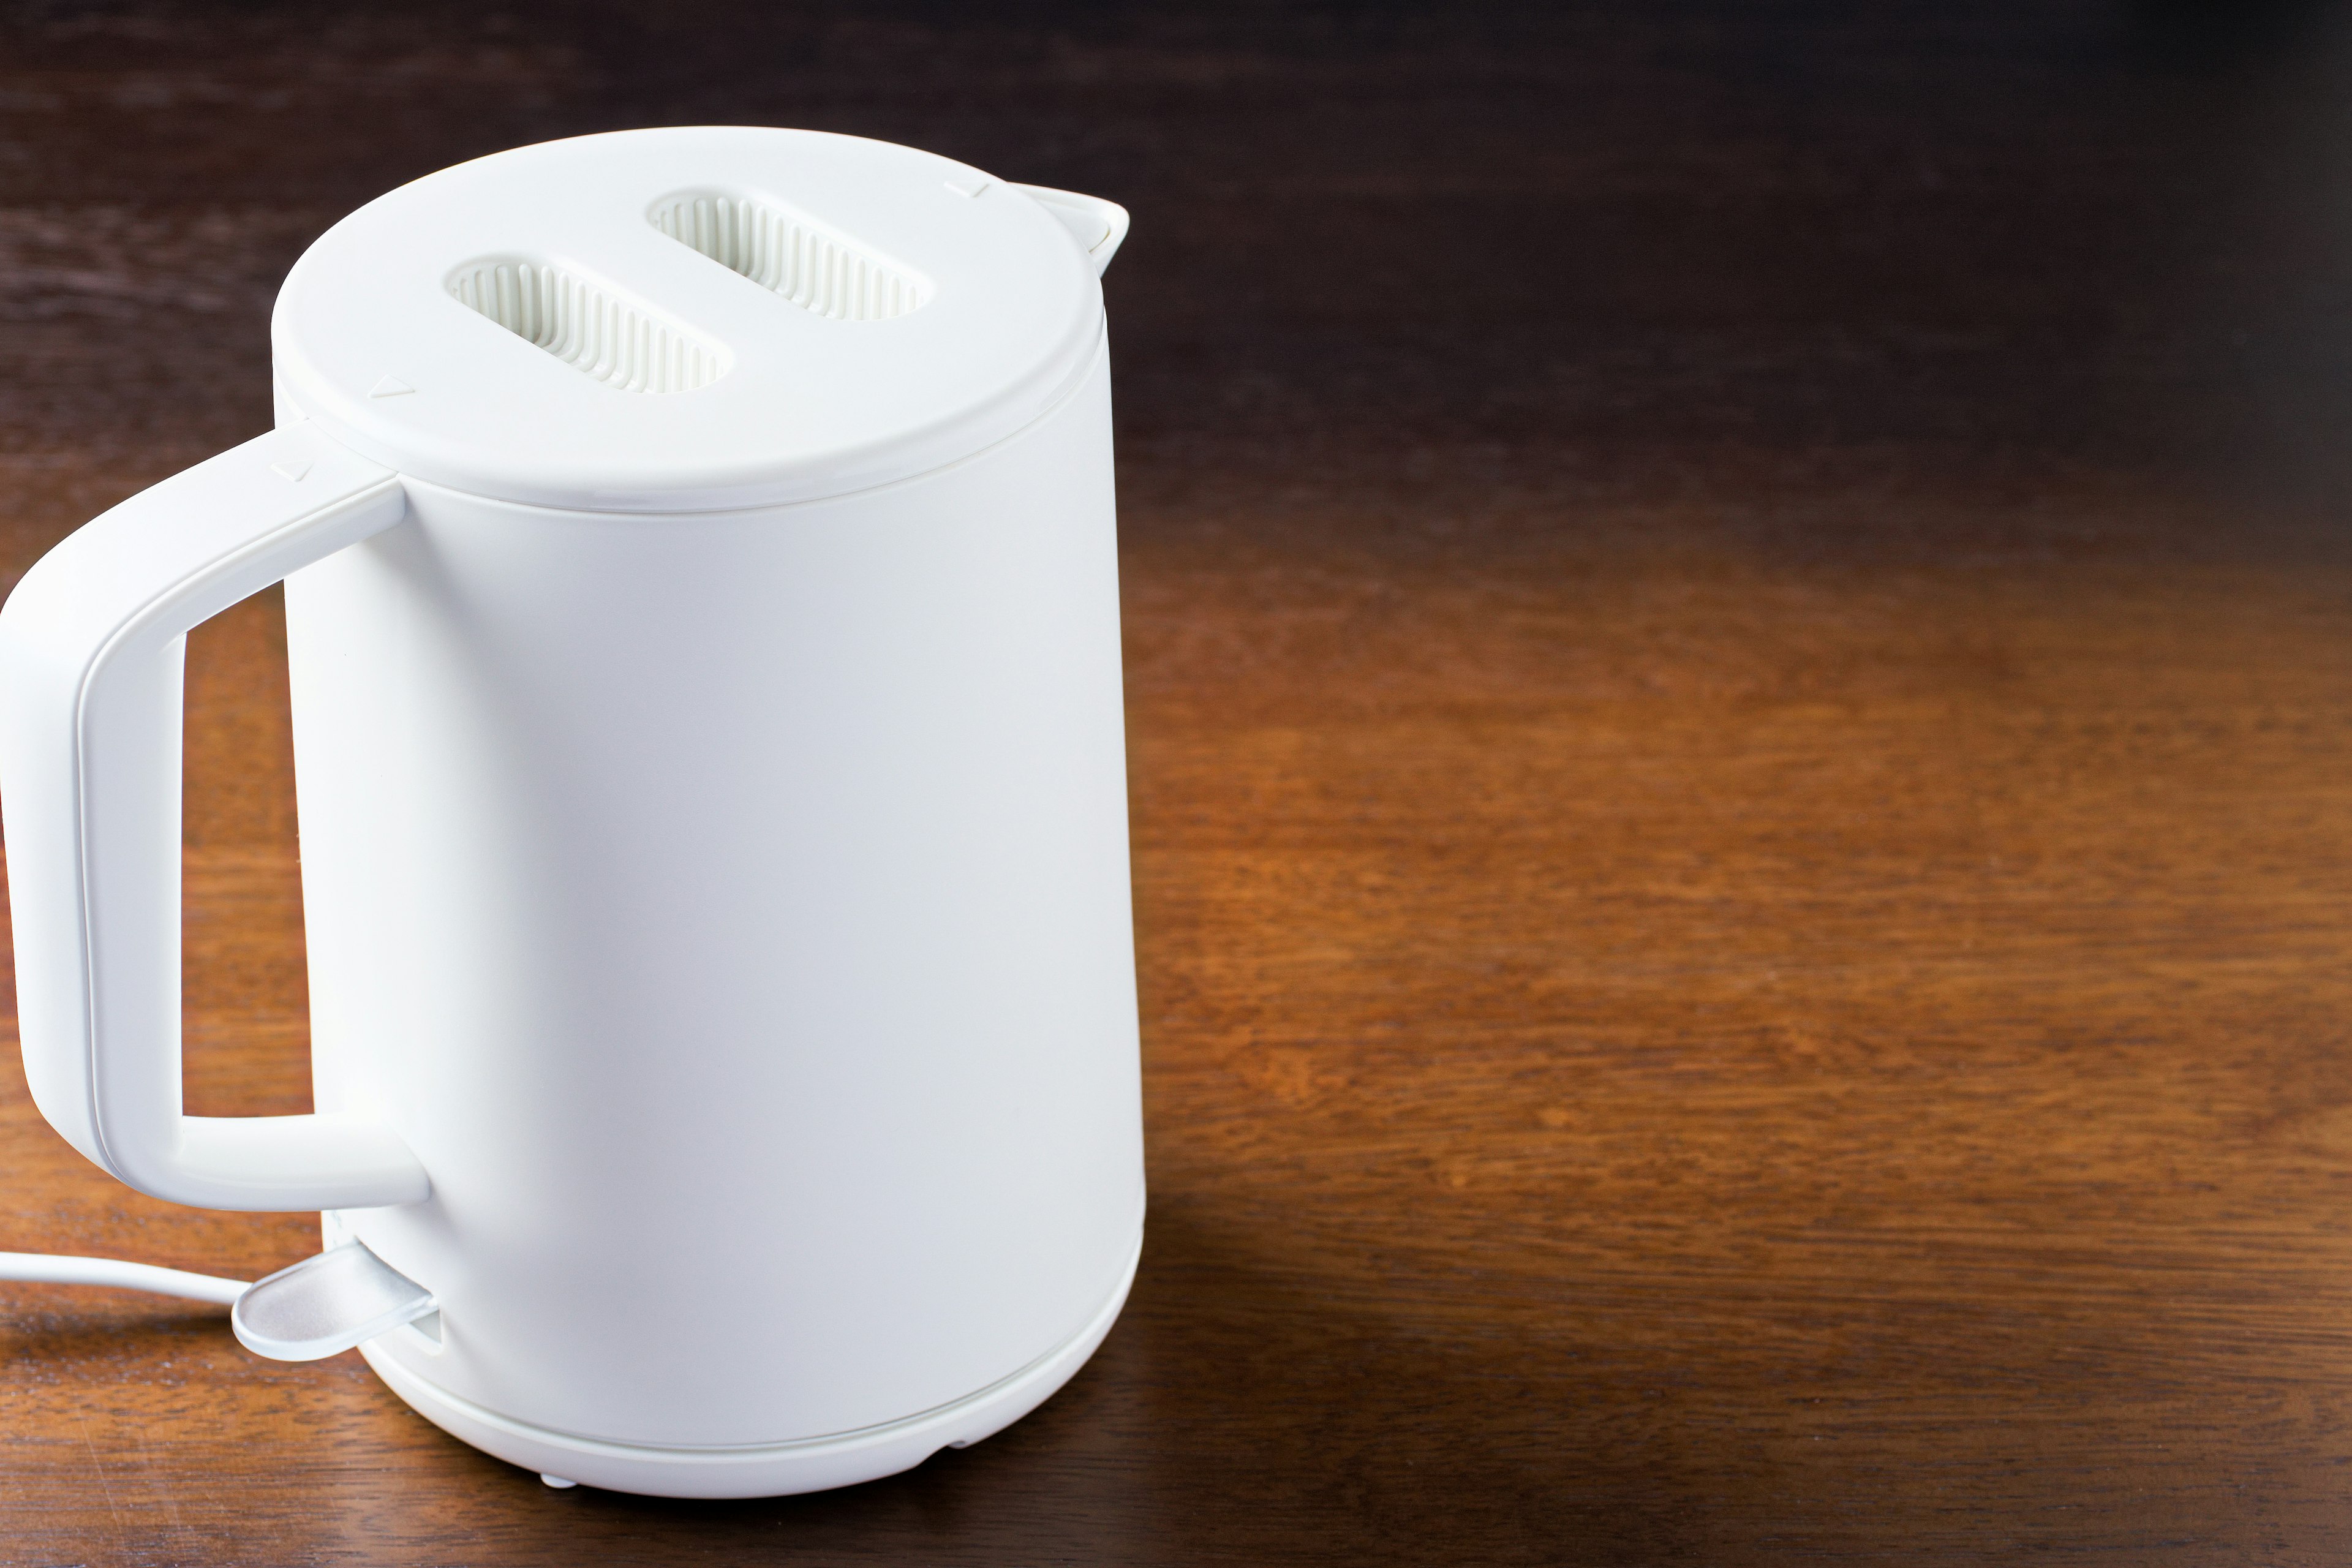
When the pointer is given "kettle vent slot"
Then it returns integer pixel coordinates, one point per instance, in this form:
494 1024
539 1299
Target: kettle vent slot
587 326
819 272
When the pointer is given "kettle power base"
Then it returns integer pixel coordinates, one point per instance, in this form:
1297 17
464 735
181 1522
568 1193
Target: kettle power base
779 1469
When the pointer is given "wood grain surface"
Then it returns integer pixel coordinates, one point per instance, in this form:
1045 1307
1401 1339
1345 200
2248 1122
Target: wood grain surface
1741 712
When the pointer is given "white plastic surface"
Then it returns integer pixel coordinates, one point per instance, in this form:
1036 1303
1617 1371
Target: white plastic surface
810 403
722 986
325 1305
1096 225
732 913
761 1469
90 649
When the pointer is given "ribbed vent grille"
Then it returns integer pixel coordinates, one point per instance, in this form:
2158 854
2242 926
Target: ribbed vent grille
618 343
815 271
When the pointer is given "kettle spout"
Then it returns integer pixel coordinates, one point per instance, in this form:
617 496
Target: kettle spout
1096 225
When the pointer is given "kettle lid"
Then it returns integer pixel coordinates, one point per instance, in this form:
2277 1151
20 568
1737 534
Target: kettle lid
687 320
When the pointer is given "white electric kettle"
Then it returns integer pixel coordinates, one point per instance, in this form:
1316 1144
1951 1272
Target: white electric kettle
701 599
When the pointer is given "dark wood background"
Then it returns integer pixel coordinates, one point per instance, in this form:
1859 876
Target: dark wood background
1738 673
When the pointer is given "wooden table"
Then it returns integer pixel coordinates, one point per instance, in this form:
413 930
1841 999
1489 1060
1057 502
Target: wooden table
1739 676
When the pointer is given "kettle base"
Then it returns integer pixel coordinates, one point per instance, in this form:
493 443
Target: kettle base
814 1464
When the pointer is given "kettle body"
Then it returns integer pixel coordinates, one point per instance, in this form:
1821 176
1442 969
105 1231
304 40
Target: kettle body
715 875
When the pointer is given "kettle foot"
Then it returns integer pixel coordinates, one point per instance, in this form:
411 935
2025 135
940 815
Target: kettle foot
777 1470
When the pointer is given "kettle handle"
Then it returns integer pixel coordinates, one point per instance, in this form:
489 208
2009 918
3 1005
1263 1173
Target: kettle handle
92 643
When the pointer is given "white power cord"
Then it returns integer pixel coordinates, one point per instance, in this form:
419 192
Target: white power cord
52 1268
